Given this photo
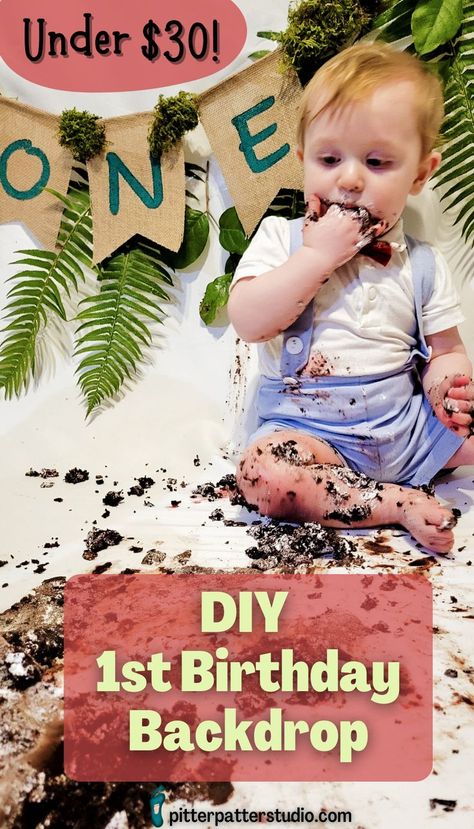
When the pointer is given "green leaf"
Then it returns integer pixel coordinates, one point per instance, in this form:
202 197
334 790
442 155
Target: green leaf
287 203
196 234
193 170
232 236
215 297
36 292
395 22
454 178
434 22
232 261
269 35
114 329
260 54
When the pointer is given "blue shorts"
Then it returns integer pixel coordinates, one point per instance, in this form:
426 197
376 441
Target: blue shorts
382 426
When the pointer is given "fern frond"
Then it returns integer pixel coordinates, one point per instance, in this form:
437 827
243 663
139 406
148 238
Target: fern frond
38 287
395 22
287 203
113 331
458 127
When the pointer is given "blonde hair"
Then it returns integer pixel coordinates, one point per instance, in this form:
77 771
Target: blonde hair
355 73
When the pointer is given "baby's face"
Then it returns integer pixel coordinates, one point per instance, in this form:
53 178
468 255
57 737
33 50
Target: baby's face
368 154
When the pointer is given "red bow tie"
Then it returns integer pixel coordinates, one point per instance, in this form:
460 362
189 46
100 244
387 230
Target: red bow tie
379 250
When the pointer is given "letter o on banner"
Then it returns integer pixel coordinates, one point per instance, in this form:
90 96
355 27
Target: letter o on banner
31 192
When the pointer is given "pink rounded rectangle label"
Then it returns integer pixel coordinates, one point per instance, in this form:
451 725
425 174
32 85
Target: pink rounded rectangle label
248 677
108 47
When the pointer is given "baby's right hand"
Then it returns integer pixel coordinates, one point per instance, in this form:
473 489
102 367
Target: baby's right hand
337 236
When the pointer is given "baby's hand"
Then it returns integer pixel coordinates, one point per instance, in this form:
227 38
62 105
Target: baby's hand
453 403
338 235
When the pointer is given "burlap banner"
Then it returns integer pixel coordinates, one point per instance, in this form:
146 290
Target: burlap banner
250 120
130 193
31 159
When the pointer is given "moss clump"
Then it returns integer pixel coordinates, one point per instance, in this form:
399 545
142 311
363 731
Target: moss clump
317 30
173 117
82 133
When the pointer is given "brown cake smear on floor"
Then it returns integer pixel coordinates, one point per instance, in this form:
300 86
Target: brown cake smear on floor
297 546
31 663
34 791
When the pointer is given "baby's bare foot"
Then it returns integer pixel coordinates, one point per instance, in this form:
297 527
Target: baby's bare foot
428 521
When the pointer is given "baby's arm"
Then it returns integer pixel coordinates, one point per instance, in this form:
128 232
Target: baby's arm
259 309
447 381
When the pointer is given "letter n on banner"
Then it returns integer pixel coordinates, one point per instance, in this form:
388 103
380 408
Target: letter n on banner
30 160
250 120
133 193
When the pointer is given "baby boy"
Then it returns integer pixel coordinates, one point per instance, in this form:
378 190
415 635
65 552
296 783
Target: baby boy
366 387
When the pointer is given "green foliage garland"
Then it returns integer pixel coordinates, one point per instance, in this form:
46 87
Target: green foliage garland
82 133
458 128
114 328
443 32
173 117
317 29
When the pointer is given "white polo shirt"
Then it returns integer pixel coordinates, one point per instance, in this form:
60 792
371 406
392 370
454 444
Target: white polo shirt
364 315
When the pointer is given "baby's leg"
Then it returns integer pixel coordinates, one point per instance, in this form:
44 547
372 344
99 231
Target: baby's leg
294 476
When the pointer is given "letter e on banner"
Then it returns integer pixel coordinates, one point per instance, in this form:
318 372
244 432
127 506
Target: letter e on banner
250 120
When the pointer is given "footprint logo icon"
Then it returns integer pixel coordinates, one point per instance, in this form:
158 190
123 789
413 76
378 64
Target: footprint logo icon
157 799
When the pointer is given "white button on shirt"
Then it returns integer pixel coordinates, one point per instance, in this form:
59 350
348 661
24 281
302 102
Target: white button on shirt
294 345
364 315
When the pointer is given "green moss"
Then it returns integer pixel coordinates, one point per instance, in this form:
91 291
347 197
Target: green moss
317 30
173 117
82 133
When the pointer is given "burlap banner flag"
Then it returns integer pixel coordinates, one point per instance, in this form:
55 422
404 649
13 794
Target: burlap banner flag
132 193
250 120
30 160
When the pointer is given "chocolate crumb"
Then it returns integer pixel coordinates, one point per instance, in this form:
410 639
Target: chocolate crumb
112 499
101 568
153 557
76 476
45 473
448 805
89 555
145 482
100 539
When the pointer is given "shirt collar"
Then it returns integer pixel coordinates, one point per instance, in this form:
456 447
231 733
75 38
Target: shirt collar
395 235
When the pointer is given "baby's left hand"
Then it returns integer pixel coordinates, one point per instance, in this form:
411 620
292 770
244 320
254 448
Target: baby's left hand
453 403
